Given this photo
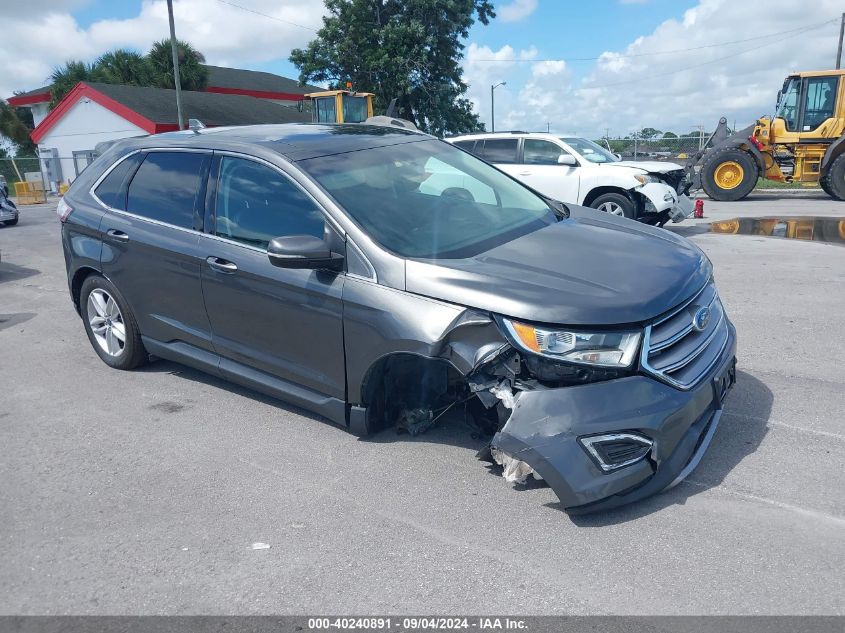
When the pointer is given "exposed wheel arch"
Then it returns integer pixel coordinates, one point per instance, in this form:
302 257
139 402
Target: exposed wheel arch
405 380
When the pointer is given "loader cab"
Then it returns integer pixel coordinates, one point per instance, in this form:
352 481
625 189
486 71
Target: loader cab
809 105
340 106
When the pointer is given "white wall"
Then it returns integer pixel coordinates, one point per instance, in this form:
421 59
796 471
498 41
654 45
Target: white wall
39 111
84 125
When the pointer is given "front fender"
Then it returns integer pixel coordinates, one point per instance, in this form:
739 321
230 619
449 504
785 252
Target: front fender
661 195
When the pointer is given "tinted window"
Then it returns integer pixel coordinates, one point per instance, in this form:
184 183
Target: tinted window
165 187
256 204
112 190
499 150
537 152
467 145
788 106
429 199
326 109
354 109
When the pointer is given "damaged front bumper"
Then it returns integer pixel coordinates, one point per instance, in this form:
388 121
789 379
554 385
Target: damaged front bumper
545 425
663 198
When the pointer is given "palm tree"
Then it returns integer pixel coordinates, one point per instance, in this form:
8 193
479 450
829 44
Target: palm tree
193 75
65 77
122 66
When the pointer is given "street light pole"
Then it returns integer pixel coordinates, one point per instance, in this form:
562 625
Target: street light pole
176 80
493 104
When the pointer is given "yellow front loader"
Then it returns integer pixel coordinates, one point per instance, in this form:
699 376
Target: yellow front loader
803 142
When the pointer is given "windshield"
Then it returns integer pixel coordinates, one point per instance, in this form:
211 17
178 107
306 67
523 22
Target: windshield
788 106
589 150
428 199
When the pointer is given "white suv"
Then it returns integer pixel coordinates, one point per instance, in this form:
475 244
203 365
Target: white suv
576 170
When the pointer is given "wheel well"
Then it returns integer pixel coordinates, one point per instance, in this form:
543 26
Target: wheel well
79 278
407 381
600 191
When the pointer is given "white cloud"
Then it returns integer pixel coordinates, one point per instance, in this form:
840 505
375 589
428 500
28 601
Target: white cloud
630 88
516 10
37 41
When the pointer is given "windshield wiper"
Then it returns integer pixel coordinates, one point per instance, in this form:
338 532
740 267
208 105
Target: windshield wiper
560 209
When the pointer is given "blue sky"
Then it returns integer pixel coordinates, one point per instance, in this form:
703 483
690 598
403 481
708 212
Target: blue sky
634 84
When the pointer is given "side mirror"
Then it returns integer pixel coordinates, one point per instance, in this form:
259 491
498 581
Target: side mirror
618 156
780 96
567 159
303 251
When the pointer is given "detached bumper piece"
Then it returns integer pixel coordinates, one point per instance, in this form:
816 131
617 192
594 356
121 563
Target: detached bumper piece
603 445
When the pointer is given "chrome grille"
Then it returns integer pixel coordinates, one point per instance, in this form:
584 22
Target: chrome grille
676 350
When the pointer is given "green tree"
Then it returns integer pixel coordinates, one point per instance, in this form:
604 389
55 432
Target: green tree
193 75
404 49
649 132
15 125
122 66
64 78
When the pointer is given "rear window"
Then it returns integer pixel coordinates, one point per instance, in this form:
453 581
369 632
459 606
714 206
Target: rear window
165 187
112 190
498 150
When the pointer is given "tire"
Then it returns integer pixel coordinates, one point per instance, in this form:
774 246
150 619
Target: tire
833 180
11 222
616 204
729 174
102 304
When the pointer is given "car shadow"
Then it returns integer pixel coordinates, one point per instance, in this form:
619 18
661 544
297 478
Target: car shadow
13 272
752 400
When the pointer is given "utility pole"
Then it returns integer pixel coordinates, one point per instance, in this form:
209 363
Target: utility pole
493 104
173 50
839 50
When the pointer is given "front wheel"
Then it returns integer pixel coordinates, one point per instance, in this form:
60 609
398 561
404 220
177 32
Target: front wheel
11 222
110 324
615 204
729 174
833 180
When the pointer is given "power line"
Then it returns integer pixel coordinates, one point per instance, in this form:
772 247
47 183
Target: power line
688 68
796 31
264 15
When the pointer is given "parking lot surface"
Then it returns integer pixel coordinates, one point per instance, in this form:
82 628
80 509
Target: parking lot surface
144 492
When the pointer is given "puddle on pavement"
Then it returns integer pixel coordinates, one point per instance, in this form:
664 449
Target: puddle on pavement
816 229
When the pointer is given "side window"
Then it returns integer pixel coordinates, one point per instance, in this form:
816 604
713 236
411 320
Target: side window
112 190
467 145
256 203
538 152
165 187
499 150
818 105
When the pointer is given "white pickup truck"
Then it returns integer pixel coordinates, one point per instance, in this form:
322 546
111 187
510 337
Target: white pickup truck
572 169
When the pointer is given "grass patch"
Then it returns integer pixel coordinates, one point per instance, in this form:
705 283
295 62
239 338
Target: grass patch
773 184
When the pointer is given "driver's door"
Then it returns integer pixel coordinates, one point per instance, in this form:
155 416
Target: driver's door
818 104
280 321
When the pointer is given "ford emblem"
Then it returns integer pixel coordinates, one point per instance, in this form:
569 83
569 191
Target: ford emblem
701 318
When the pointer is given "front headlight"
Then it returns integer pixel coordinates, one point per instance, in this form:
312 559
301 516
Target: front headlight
646 178
602 349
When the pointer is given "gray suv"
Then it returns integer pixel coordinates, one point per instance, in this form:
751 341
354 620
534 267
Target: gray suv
378 277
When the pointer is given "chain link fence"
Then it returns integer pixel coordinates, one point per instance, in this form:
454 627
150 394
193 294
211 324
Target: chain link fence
673 148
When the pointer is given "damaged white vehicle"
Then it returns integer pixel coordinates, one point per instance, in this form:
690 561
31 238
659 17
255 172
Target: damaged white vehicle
575 170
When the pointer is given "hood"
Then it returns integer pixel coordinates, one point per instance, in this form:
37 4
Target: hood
650 166
590 269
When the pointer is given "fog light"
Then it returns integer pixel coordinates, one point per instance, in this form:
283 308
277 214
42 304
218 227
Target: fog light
616 450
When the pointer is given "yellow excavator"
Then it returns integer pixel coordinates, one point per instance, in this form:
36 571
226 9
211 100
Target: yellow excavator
803 142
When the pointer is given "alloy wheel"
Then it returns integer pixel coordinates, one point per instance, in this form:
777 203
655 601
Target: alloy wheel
612 208
106 322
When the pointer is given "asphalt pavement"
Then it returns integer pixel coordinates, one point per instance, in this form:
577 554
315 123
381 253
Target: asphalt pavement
146 492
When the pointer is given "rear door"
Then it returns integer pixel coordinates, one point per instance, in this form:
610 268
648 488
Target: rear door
150 245
540 170
284 322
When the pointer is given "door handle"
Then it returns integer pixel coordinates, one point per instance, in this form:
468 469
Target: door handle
221 265
120 236
525 173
